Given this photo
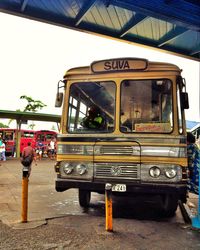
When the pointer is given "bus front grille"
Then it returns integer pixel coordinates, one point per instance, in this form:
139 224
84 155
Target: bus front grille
119 150
116 171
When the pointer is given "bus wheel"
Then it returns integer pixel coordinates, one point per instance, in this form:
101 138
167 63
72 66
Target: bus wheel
169 205
84 197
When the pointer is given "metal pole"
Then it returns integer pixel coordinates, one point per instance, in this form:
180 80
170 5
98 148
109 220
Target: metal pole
24 195
108 197
18 138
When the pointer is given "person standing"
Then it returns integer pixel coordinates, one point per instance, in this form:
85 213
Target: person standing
193 164
3 150
28 155
52 148
40 149
14 149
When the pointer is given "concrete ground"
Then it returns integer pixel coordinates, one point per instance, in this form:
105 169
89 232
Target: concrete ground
56 221
43 201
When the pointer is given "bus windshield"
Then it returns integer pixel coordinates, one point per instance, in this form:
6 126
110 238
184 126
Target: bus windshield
87 98
146 106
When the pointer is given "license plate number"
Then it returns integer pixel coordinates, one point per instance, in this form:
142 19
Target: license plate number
119 188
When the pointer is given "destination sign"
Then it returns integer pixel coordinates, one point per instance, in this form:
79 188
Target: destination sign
120 64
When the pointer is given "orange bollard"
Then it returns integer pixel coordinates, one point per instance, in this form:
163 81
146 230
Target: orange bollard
24 210
108 200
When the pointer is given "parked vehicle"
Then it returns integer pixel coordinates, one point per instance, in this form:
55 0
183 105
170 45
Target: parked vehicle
9 135
141 150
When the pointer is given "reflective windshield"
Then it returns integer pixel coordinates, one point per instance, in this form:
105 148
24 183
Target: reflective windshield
91 107
146 106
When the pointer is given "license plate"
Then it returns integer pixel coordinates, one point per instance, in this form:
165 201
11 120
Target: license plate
119 188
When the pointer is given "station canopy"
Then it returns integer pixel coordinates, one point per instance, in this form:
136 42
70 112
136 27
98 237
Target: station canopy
169 25
25 116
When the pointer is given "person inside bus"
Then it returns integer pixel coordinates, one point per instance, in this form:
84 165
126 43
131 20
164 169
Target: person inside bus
193 163
154 111
94 119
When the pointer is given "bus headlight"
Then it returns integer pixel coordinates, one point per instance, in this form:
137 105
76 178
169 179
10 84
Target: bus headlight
161 173
68 168
154 172
76 170
81 169
170 173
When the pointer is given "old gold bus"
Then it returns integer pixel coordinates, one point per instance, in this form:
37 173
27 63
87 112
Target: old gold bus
141 148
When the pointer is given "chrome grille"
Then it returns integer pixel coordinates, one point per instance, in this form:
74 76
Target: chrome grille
117 170
118 150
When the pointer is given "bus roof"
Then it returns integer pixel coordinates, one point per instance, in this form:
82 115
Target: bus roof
117 65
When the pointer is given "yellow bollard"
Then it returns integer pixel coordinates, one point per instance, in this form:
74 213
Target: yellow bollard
108 200
24 195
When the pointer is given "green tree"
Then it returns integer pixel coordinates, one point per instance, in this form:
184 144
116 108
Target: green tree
3 125
32 105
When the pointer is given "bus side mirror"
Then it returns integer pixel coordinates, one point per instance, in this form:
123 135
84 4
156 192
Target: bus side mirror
184 100
59 100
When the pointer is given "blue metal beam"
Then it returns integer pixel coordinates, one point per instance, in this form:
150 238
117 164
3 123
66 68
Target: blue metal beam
196 51
38 15
24 4
188 18
171 35
84 10
195 2
135 39
136 19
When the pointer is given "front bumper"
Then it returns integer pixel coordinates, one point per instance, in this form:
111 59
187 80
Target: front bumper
145 188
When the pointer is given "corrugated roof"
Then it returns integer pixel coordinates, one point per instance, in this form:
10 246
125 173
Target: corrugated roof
170 25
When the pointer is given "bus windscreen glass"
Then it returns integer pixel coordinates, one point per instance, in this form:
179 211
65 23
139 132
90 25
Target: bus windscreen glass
146 106
88 96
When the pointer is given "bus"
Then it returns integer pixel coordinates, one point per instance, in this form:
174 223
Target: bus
45 137
142 149
9 135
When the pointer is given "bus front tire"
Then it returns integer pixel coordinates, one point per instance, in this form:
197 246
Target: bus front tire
169 205
84 197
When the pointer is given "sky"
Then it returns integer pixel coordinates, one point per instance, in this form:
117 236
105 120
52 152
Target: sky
34 56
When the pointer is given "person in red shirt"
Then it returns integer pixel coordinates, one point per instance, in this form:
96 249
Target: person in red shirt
28 155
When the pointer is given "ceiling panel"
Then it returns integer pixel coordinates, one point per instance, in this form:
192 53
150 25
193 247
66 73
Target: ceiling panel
173 26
